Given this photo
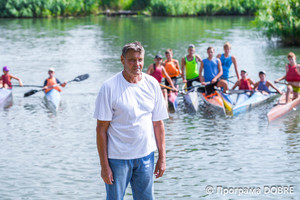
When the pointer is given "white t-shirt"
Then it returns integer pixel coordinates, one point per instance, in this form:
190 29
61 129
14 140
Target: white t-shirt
131 108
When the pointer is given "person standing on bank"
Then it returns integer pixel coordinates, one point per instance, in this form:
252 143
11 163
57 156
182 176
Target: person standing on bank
130 110
189 67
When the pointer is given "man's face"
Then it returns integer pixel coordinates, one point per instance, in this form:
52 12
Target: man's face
262 77
292 60
169 56
226 50
133 62
210 53
51 73
243 75
191 51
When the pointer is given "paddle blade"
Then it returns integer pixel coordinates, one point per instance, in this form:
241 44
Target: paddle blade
81 77
29 93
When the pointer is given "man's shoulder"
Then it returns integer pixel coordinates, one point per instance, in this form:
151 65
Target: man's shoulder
112 81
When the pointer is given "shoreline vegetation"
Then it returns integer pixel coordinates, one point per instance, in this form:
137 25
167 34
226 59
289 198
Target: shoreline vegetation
277 18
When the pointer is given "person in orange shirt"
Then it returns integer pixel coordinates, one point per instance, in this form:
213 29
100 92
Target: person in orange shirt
5 79
172 67
51 81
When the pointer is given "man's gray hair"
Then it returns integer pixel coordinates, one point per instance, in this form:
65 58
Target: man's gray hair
135 46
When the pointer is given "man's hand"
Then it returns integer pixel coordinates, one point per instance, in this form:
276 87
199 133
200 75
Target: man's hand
160 167
107 175
213 81
184 81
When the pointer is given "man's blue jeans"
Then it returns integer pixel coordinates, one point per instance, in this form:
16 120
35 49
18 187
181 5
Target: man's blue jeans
139 172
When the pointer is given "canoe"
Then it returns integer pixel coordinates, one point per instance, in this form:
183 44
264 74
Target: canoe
173 101
52 99
246 101
282 108
5 97
214 101
190 99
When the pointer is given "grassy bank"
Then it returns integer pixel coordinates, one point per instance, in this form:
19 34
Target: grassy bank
49 8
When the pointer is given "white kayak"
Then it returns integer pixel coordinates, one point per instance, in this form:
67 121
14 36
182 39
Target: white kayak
246 101
191 99
52 99
5 97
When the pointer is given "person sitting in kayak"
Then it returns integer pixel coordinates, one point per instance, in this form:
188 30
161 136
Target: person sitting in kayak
263 85
51 81
244 83
292 76
5 79
227 60
172 67
212 72
157 70
189 64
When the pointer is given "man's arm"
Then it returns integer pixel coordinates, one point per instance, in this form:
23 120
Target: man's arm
220 72
18 79
183 70
106 172
201 78
235 67
159 132
236 84
273 86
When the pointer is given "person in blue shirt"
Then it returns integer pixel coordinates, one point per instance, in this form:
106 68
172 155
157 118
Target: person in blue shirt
227 60
263 85
212 72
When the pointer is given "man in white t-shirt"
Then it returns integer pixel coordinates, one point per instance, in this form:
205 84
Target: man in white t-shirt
130 110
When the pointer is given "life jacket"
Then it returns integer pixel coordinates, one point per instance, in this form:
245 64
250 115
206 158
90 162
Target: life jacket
157 73
171 69
245 85
50 83
292 74
6 80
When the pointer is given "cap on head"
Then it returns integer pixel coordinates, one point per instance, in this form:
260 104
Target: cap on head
191 46
51 69
243 71
5 68
262 72
158 56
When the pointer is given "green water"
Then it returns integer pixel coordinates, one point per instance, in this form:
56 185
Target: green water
44 156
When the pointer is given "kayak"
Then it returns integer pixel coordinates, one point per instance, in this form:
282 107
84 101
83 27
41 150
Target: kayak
173 101
190 99
282 108
52 99
5 97
214 101
246 101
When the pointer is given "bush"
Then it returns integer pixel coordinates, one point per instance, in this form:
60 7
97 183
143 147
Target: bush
281 18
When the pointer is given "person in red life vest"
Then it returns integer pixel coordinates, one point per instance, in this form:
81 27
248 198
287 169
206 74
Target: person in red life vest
292 76
172 67
263 85
5 79
157 70
244 83
51 81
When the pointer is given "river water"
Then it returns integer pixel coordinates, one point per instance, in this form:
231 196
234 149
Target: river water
43 156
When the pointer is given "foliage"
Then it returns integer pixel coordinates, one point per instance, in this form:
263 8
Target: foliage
281 18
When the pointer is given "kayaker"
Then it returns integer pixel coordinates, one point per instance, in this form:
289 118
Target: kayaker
227 60
263 85
244 83
292 76
130 110
212 72
157 70
49 82
189 67
172 67
5 79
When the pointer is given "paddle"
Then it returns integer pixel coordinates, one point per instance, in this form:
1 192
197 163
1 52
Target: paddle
77 79
167 87
244 91
28 86
282 83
